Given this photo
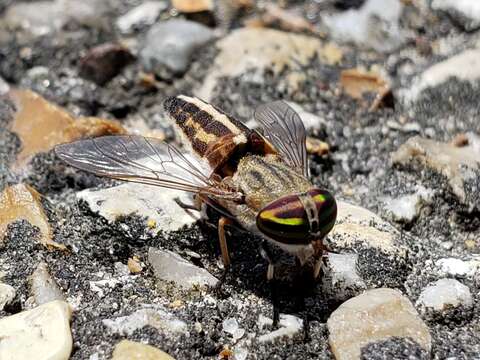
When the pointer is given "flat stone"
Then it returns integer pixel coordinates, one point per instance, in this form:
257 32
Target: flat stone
44 17
156 317
464 12
41 125
357 226
157 205
458 267
22 202
142 15
460 165
374 25
444 294
340 279
7 294
264 49
42 333
43 286
289 326
375 315
130 350
406 208
464 66
169 266
170 45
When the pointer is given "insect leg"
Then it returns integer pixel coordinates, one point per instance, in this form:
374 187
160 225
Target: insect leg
224 221
267 255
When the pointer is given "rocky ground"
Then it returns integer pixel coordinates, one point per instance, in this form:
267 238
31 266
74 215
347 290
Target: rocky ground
388 90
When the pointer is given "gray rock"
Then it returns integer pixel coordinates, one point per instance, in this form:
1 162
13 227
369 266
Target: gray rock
463 12
169 46
169 266
375 25
444 294
43 286
373 316
340 278
7 294
142 15
406 208
156 317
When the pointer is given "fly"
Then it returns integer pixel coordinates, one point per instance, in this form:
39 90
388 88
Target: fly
258 180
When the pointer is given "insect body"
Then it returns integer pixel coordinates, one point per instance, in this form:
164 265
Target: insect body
257 180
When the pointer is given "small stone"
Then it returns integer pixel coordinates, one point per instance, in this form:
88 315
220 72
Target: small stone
43 286
444 294
317 147
103 62
169 266
464 66
156 317
373 316
170 45
460 165
192 6
340 278
142 200
406 208
143 15
358 226
4 87
231 327
22 202
458 267
53 125
464 12
374 25
42 333
7 294
130 350
262 49
134 265
286 20
289 326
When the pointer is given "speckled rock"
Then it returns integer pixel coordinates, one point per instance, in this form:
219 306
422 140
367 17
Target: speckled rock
169 46
130 350
42 333
464 12
374 25
7 294
443 295
340 279
375 315
157 205
169 266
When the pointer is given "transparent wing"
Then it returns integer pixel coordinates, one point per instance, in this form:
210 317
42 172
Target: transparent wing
284 129
140 159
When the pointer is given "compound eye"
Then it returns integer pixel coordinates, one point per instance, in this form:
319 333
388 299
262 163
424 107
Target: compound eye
285 221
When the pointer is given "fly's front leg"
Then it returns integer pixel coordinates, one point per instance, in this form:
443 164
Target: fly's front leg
267 255
224 221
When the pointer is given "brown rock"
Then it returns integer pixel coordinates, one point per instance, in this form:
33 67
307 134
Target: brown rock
192 6
104 62
22 202
41 125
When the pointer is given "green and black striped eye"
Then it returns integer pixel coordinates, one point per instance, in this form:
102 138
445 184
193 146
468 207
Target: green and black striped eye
286 220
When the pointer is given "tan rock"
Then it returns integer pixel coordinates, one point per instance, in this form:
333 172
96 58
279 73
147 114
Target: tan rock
373 316
130 350
41 125
259 49
134 265
457 164
22 202
42 333
192 6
